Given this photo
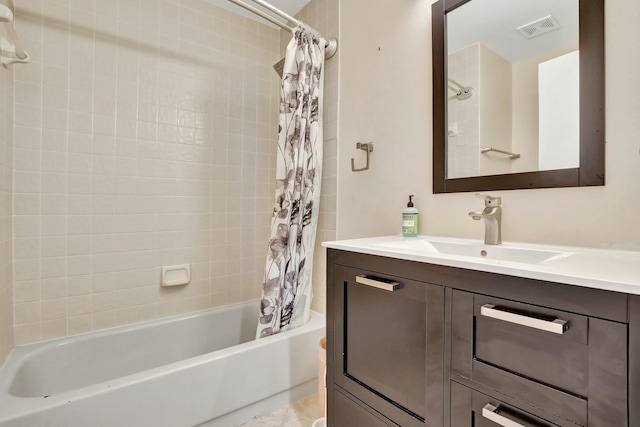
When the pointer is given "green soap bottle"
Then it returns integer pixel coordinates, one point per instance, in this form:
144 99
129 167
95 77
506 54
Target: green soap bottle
410 219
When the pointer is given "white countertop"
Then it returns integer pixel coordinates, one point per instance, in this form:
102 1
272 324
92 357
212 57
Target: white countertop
612 270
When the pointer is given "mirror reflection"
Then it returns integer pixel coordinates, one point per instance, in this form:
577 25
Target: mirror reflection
513 87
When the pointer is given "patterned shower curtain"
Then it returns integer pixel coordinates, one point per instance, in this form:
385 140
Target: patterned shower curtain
286 293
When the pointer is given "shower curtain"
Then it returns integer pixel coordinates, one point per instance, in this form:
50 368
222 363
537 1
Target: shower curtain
286 287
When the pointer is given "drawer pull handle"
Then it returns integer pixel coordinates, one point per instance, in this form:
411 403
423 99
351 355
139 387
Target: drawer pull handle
556 326
377 282
489 412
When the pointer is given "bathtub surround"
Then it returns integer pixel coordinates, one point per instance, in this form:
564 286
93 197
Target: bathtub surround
323 16
144 135
100 131
286 295
6 207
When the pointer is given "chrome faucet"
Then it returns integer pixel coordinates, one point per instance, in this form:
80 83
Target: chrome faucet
492 215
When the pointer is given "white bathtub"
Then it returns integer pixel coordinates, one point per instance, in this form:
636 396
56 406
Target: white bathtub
199 369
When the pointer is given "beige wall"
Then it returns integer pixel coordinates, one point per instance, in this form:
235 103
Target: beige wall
6 160
495 111
144 136
525 109
386 98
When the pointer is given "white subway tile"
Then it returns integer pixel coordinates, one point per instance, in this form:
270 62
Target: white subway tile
53 204
53 225
80 324
26 204
103 319
25 291
79 224
79 245
79 285
142 155
102 301
24 270
54 308
56 328
26 226
54 161
28 312
27 333
53 247
54 140
53 267
54 183
26 248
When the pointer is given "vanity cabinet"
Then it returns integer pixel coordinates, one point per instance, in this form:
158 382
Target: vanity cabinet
387 345
472 408
348 413
445 346
566 367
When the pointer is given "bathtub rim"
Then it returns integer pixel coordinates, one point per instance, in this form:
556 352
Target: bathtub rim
15 406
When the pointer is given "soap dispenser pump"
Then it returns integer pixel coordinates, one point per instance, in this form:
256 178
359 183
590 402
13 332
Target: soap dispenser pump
410 219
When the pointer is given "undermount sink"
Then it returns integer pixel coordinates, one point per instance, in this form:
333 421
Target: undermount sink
477 250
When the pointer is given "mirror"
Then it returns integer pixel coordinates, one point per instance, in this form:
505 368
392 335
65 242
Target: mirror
516 103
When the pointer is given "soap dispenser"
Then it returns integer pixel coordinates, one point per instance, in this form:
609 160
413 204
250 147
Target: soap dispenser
410 219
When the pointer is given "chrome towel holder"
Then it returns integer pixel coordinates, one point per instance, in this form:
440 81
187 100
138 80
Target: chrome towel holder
368 148
511 156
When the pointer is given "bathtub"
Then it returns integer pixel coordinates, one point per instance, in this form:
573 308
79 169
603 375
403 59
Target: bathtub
202 369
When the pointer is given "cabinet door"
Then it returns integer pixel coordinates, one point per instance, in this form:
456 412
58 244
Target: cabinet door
470 408
348 413
389 345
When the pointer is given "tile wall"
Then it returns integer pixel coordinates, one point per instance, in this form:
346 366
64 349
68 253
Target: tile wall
464 115
6 160
143 136
323 15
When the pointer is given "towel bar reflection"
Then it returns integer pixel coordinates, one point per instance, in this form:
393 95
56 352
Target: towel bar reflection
368 148
16 53
512 156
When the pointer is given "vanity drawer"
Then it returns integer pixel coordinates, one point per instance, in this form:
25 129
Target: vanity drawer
551 359
470 408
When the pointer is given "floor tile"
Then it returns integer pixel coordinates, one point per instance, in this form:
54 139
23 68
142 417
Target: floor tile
299 414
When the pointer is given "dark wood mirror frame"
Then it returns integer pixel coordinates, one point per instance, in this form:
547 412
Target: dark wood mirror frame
592 120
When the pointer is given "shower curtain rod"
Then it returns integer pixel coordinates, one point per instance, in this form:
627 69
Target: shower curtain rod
22 57
330 45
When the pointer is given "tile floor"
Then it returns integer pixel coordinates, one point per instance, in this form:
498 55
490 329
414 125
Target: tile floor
299 414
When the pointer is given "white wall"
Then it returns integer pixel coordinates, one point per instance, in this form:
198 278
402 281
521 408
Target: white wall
385 97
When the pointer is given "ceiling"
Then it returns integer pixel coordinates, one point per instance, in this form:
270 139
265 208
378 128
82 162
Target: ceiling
493 23
291 7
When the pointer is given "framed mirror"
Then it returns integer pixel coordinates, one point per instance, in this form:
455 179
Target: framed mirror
518 94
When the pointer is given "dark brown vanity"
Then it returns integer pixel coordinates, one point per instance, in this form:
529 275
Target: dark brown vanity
417 344
421 340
